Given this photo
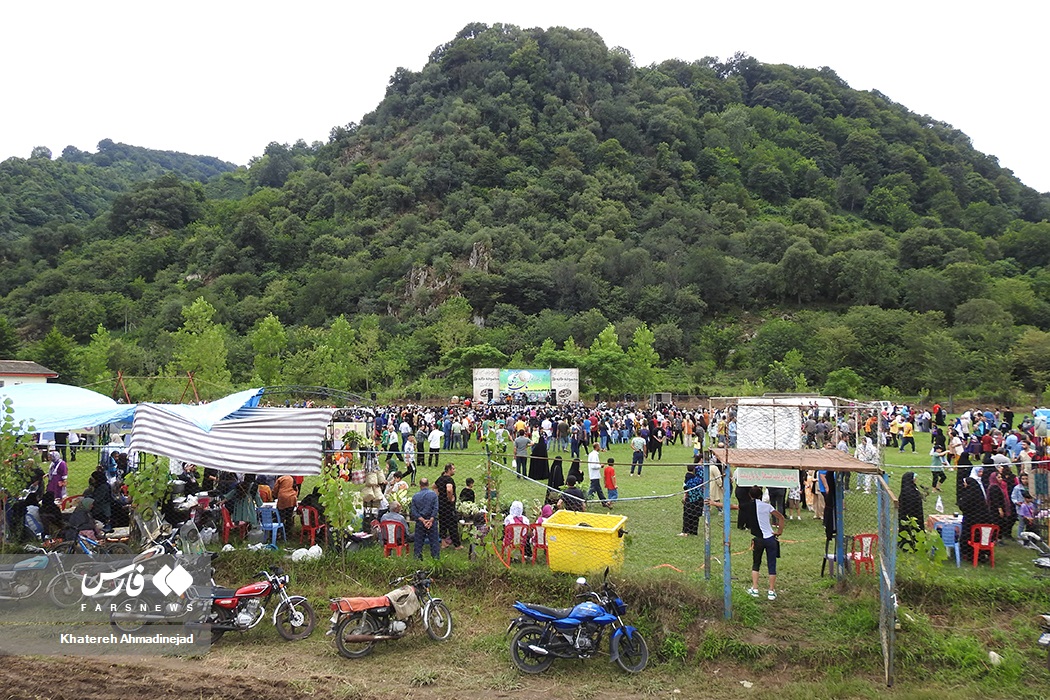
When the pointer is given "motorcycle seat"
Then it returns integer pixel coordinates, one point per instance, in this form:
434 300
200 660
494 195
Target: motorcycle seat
347 605
556 613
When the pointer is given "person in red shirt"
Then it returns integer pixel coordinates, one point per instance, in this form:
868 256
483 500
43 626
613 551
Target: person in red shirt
609 474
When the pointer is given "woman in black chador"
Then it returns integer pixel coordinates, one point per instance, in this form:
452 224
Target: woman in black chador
555 480
909 512
538 469
974 508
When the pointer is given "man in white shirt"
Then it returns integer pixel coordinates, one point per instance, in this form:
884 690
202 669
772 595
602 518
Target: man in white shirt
434 443
594 473
758 515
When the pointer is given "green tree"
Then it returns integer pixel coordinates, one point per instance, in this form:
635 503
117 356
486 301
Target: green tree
642 360
1031 360
269 341
719 342
57 352
843 382
95 357
200 348
9 341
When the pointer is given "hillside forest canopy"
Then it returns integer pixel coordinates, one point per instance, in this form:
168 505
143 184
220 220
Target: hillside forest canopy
531 197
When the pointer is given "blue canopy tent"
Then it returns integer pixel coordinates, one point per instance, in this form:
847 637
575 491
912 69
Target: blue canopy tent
48 408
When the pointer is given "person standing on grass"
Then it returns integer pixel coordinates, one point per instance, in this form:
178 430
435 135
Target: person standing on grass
424 513
609 476
692 501
637 453
766 525
594 473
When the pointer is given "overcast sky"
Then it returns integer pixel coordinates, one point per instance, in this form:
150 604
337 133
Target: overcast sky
226 77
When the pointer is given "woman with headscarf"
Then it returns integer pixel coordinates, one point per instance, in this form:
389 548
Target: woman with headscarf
545 512
574 470
538 469
516 516
555 480
909 512
1010 481
999 506
973 506
243 502
962 472
57 474
866 452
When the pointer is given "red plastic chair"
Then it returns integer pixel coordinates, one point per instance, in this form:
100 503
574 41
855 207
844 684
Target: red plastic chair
983 539
515 537
311 525
395 538
539 541
70 502
228 526
862 551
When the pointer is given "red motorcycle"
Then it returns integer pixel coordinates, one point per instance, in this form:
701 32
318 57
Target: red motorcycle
241 610
230 610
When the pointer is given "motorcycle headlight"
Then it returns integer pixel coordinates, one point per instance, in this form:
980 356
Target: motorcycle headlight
284 580
621 607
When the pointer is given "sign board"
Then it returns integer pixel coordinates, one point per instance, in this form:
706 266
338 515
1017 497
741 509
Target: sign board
775 478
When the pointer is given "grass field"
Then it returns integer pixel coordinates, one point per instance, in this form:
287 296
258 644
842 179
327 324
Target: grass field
818 640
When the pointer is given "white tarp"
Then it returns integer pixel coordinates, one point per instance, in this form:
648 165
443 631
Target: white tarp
763 423
58 408
250 441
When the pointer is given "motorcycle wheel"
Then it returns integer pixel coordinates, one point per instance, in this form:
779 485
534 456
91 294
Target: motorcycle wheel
295 619
438 621
64 590
631 654
218 616
526 660
127 624
358 623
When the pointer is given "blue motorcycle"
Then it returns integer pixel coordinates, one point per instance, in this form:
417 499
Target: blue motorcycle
544 634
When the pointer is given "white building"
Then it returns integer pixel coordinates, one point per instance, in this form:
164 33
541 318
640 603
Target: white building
15 372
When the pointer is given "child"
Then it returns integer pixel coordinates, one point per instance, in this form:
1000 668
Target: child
467 494
795 502
1026 514
610 479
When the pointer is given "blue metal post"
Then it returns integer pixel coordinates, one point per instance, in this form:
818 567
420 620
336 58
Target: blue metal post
840 531
727 601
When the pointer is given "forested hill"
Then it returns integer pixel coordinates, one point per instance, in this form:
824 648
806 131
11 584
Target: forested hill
534 197
78 186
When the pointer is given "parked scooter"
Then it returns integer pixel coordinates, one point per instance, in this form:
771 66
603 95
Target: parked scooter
358 623
544 634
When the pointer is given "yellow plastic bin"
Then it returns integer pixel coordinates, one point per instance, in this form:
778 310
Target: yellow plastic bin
582 543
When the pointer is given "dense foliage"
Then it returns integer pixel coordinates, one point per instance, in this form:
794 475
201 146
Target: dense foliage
533 197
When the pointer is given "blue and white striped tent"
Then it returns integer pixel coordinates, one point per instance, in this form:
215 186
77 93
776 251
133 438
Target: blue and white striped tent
234 434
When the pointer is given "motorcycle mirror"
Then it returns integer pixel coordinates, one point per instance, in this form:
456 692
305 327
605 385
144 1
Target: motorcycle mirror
581 581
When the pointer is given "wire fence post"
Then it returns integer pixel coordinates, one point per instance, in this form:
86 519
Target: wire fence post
887 576
727 593
707 521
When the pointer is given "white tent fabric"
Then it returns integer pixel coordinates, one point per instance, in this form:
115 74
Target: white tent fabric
250 441
49 408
